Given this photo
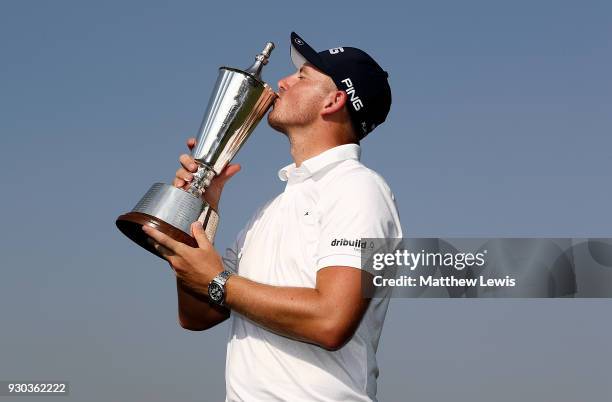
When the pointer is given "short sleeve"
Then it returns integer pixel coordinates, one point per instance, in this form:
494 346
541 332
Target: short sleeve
352 207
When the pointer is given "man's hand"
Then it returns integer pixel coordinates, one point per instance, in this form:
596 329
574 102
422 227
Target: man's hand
196 267
184 175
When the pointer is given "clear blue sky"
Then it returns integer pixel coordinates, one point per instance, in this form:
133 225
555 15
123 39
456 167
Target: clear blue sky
500 126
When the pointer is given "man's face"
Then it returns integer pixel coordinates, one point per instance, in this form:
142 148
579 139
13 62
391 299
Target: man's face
301 98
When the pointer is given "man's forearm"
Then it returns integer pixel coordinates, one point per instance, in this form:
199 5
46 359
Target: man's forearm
303 314
195 312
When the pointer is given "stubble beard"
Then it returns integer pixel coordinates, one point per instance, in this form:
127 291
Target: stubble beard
276 122
282 120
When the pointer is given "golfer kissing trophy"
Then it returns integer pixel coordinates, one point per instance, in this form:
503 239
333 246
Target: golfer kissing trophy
238 102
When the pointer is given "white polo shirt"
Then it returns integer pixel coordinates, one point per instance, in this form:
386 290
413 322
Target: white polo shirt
329 198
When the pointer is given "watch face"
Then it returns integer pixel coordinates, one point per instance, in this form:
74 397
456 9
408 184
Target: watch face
215 292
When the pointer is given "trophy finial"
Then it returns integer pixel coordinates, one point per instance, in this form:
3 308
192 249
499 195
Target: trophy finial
266 52
261 60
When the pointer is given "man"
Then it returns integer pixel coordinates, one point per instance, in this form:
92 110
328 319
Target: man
301 329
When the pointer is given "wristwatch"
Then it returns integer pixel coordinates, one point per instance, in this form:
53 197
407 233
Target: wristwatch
216 287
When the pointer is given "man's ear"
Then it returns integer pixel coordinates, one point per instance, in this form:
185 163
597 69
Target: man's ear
334 102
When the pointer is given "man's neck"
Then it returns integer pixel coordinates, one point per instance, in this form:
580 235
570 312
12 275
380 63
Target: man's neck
306 145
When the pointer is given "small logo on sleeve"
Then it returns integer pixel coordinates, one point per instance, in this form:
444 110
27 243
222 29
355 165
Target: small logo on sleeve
356 243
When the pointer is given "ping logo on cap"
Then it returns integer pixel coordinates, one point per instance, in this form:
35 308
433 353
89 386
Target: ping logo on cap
350 90
336 50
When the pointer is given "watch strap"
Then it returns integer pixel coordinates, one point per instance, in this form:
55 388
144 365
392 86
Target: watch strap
222 277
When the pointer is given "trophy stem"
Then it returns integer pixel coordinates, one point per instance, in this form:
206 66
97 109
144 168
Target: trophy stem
201 180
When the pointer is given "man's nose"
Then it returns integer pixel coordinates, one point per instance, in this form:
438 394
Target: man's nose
282 85
286 83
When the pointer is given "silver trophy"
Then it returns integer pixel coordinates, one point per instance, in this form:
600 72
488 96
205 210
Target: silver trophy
237 104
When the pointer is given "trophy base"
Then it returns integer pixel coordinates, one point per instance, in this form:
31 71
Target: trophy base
130 224
171 211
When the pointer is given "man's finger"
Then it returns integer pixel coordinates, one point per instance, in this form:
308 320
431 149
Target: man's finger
162 239
178 183
231 170
191 142
184 175
188 163
200 235
166 253
228 172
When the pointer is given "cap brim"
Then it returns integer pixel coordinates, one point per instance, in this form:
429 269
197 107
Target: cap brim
301 53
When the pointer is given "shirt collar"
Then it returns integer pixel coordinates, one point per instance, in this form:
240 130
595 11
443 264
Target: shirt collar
315 164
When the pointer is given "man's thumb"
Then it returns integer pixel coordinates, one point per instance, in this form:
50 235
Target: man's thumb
229 171
200 235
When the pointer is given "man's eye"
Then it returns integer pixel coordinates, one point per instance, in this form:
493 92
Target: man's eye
300 77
